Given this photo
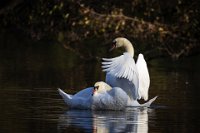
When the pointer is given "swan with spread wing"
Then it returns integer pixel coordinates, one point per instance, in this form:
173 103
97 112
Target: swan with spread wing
123 72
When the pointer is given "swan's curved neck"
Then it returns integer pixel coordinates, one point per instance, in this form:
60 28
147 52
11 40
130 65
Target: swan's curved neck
129 47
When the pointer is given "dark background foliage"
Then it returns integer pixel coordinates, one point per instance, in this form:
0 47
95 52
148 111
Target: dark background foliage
156 27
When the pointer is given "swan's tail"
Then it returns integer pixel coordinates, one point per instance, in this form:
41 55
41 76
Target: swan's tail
147 104
66 97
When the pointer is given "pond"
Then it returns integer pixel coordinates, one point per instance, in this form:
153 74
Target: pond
29 101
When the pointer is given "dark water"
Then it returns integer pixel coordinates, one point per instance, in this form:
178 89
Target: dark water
29 101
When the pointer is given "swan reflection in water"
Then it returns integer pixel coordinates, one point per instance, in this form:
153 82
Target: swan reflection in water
132 120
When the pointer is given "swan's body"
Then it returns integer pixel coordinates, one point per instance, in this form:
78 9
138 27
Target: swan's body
101 96
81 100
123 72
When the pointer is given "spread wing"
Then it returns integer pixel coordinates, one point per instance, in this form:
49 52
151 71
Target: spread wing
144 80
122 72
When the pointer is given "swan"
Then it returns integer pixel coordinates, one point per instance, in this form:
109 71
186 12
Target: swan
100 97
123 72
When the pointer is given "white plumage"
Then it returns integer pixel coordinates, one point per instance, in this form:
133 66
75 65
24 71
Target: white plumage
122 66
126 82
122 71
104 97
144 80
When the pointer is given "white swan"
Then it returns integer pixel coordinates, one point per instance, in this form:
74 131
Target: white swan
123 72
101 96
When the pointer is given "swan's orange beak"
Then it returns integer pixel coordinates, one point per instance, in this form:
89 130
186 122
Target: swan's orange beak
113 47
95 89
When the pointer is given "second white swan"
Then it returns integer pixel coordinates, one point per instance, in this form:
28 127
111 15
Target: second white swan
99 97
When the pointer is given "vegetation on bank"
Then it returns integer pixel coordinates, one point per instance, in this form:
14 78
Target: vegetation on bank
156 27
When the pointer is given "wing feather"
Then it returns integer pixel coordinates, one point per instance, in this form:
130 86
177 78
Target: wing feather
144 80
122 66
122 72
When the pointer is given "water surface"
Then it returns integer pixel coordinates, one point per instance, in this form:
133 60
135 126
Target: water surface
29 101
